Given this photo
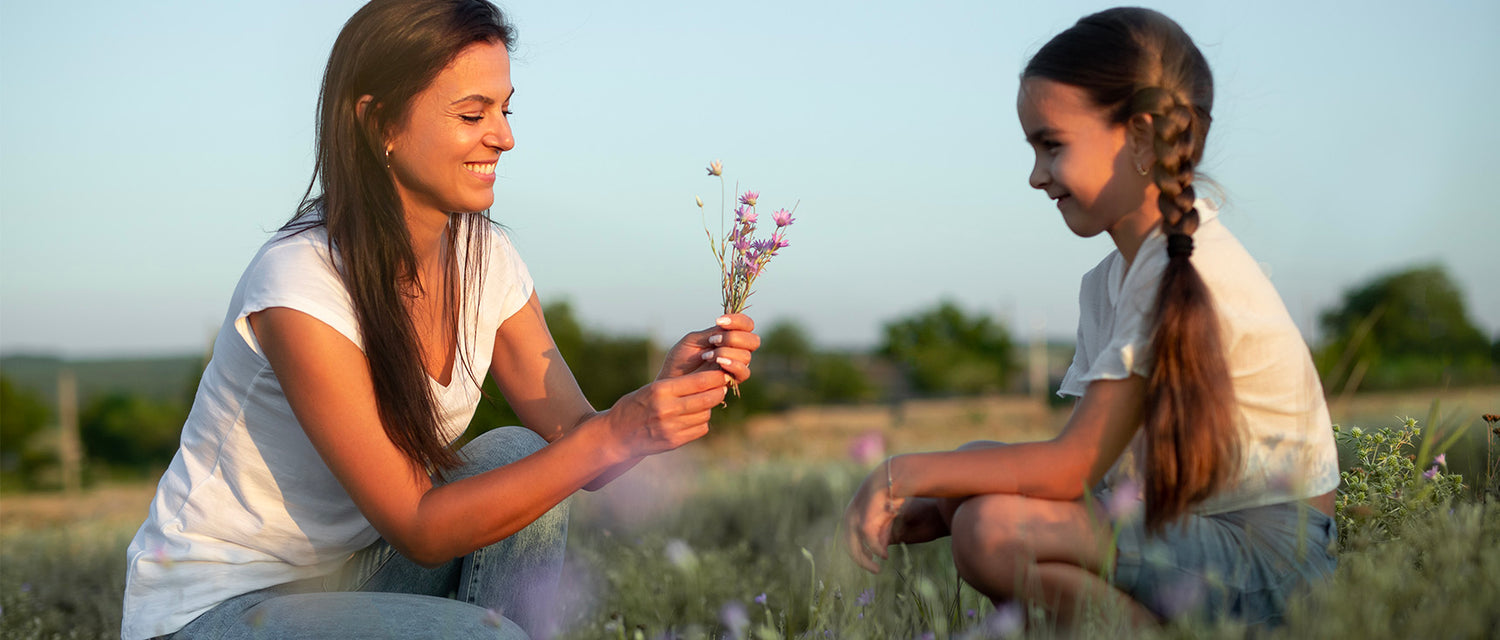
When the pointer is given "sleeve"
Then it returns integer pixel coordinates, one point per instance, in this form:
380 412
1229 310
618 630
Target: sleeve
296 273
1115 335
509 281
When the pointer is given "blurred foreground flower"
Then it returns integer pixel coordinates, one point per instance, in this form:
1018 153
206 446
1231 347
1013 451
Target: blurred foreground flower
867 447
741 257
681 555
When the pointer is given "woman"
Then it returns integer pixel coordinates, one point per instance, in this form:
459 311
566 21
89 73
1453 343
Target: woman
315 492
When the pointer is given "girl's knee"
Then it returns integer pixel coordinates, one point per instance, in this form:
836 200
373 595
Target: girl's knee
988 536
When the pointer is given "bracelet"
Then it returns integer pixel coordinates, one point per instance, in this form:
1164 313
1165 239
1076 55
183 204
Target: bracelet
890 486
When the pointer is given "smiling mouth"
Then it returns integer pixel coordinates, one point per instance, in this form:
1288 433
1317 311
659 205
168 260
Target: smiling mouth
481 168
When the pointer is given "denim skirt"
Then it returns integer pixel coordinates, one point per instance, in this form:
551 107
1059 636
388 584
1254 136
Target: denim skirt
1243 565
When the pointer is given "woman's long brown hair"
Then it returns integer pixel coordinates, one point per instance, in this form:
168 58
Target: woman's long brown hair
1132 62
391 50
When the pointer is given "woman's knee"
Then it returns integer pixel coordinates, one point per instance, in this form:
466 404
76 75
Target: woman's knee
496 448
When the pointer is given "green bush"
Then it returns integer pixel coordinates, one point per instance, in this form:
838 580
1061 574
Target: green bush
1385 487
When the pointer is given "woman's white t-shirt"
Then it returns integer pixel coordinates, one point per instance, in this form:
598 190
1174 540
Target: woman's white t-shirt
1288 448
247 503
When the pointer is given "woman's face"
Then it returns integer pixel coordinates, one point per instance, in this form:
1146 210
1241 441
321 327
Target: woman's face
1083 161
443 156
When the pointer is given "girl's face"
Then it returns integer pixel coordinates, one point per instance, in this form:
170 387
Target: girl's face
443 157
1085 162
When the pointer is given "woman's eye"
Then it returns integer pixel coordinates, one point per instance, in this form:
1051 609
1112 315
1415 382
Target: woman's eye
506 113
471 119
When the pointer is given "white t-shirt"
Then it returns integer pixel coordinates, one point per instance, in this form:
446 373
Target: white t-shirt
1288 448
247 503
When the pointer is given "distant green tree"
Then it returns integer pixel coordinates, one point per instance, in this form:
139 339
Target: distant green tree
1406 329
945 350
130 431
22 416
606 367
835 378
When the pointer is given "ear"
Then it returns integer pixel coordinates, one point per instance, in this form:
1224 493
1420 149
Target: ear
1141 130
362 106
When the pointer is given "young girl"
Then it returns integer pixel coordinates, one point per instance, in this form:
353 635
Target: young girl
315 493
1196 393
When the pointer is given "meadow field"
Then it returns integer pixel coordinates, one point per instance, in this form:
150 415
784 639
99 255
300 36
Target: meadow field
737 536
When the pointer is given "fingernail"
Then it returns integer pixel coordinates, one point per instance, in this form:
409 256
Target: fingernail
723 321
716 339
728 379
709 355
723 362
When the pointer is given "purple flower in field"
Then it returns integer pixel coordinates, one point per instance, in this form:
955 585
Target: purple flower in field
716 168
743 244
865 598
866 448
1431 473
783 217
927 635
734 618
1124 501
970 613
745 216
1442 459
1005 621
750 197
780 239
493 618
760 599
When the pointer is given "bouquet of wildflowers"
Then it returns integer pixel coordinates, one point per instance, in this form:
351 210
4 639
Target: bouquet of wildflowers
741 257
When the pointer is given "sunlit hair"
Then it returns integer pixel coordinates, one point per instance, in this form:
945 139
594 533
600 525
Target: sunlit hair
1134 61
392 50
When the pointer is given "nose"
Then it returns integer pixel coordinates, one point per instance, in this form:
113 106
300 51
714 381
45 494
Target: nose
501 138
1040 177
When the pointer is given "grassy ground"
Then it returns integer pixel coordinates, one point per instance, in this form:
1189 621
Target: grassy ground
701 544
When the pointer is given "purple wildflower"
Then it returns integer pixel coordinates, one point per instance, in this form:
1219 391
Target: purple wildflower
735 618
865 598
866 448
760 599
743 244
1124 501
783 217
493 618
1181 597
1005 621
1431 473
1442 459
780 239
750 197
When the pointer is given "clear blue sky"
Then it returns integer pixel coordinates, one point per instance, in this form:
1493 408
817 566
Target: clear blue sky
147 148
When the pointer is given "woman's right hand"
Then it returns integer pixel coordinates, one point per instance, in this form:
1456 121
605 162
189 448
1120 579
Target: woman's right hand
667 413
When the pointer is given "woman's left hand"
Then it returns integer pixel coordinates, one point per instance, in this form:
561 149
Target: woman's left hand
868 519
727 346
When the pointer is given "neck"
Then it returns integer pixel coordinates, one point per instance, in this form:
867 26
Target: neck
429 237
1131 231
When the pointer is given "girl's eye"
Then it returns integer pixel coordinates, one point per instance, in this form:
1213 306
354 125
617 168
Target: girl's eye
471 119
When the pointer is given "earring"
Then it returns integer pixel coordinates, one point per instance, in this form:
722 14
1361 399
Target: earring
388 158
1138 168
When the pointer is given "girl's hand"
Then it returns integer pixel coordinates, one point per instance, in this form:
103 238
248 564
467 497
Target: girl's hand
726 346
869 517
666 414
920 520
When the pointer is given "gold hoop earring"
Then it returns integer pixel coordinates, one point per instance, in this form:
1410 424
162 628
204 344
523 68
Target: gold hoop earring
1138 168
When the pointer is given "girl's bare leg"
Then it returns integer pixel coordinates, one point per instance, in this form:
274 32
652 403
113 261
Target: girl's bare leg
1048 552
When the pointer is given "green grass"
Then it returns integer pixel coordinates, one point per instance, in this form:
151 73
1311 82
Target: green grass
742 533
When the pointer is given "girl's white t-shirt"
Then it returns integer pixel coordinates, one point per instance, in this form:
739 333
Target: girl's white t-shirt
247 503
1288 447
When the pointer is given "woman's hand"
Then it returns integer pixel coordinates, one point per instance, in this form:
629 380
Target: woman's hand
726 346
869 518
666 414
920 520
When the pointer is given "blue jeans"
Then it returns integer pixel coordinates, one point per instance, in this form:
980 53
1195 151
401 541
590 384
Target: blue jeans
504 590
